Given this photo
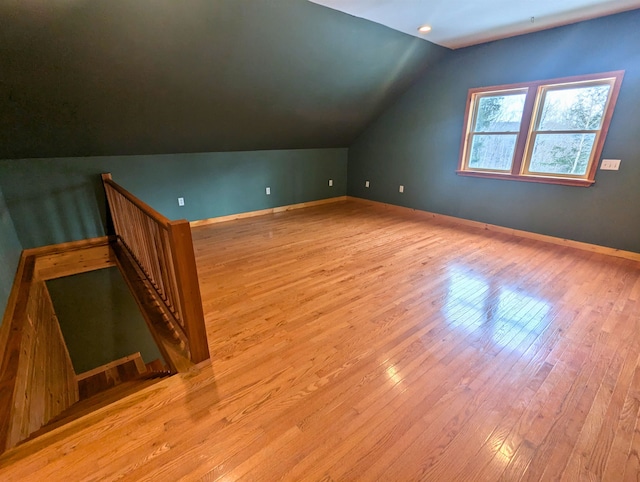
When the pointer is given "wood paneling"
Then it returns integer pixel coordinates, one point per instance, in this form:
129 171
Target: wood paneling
51 386
351 343
37 381
40 378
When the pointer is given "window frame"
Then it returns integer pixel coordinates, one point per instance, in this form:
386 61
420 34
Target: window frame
533 106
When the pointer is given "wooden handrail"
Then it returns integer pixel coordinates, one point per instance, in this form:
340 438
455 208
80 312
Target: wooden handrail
163 250
107 178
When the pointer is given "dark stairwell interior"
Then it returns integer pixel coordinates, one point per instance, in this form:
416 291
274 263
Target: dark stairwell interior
100 320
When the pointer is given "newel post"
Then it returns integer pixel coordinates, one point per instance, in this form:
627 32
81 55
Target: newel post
189 289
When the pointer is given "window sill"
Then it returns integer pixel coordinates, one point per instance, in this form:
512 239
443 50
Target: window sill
566 181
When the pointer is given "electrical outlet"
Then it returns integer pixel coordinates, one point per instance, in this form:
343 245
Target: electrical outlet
610 164
366 184
401 188
180 201
268 191
330 182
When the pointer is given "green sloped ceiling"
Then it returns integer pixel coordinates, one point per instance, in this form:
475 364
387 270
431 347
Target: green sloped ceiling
113 77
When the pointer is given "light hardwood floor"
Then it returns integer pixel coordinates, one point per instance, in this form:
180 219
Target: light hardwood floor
349 343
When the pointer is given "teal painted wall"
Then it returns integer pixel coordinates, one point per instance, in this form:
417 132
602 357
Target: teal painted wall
116 77
62 199
99 319
416 142
10 250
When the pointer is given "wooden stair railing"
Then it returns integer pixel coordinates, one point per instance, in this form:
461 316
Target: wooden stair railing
37 380
39 388
163 251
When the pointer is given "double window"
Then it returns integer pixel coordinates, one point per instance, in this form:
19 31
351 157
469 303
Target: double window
548 131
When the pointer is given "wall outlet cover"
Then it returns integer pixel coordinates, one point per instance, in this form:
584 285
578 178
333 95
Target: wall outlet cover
610 164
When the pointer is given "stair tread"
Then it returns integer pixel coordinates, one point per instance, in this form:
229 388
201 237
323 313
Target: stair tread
156 365
99 400
112 375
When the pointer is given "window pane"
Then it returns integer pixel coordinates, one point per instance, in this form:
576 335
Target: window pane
574 109
561 153
492 151
500 113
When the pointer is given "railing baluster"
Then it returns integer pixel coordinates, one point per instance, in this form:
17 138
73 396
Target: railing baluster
163 250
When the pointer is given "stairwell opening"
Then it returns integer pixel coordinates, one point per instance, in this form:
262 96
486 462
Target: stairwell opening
100 320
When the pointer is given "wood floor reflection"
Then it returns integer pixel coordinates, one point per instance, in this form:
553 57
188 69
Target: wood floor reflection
352 343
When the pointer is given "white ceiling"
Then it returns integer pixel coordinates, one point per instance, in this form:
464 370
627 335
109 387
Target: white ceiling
460 23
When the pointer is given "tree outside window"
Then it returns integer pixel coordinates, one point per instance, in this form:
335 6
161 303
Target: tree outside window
546 131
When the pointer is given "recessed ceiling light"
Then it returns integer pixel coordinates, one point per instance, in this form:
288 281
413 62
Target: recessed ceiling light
424 29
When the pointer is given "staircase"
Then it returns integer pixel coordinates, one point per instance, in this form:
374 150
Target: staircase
39 389
125 369
107 384
167 332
